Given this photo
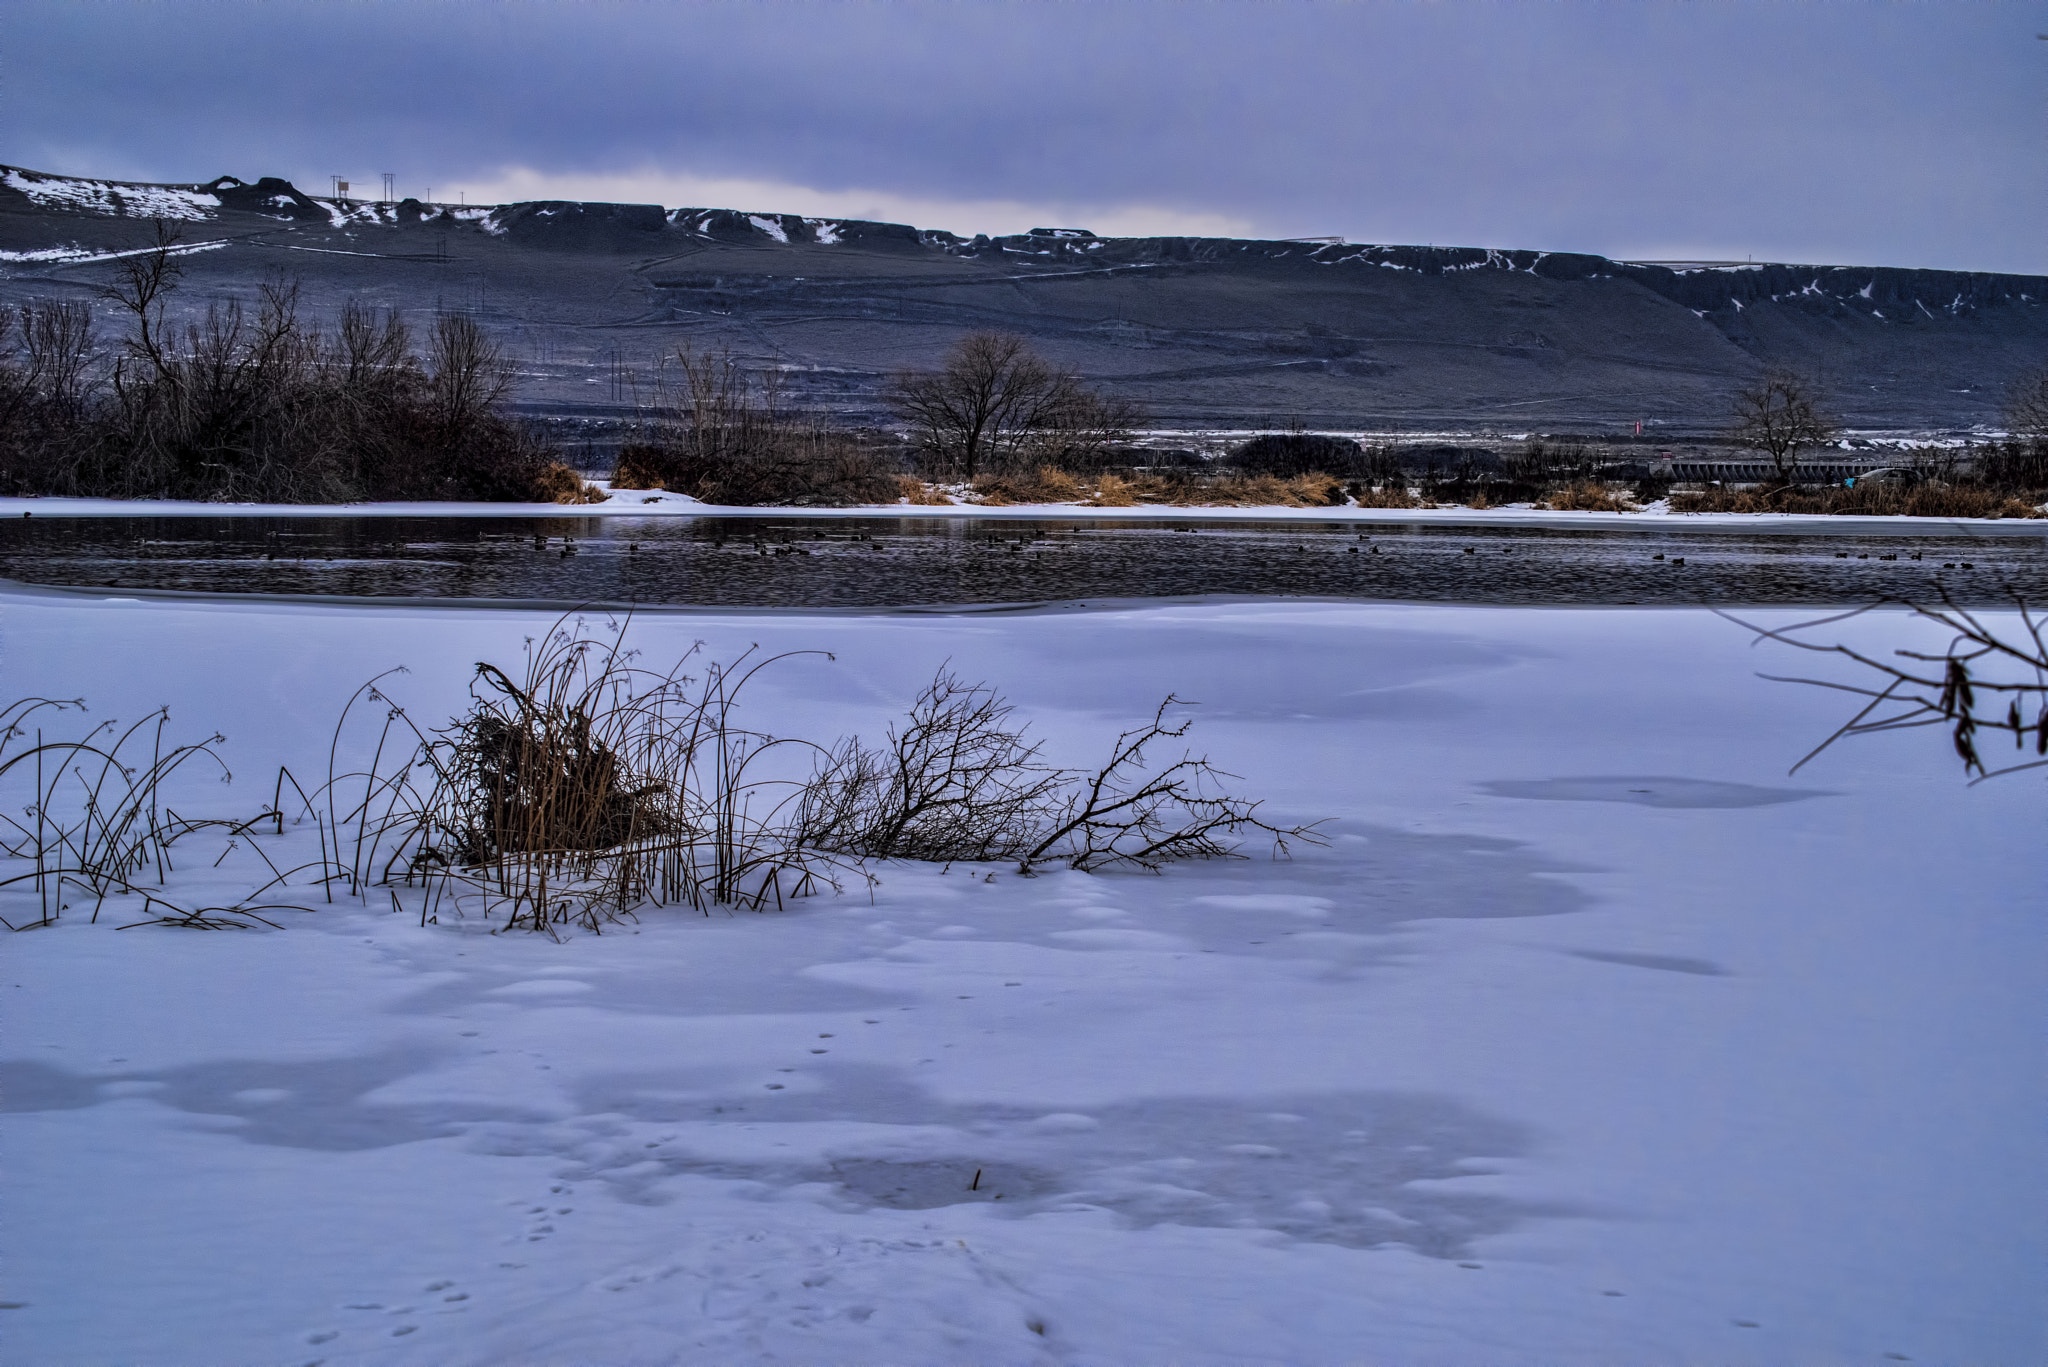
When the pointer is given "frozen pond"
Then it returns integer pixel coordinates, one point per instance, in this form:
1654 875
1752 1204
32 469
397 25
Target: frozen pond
768 561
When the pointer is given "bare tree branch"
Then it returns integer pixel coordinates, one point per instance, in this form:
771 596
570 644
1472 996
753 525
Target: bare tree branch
1951 688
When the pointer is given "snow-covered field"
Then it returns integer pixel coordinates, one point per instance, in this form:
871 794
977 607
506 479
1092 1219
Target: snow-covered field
1591 1037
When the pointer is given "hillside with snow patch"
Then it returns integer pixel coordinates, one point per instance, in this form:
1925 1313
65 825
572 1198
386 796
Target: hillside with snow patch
1202 332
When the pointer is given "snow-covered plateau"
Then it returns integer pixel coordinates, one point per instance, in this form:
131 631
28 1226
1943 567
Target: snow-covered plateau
1590 1037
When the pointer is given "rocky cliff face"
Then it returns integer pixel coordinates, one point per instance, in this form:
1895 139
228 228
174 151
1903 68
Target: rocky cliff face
1206 332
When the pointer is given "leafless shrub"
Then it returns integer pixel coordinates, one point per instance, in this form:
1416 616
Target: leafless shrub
1544 463
1298 452
954 780
2026 406
254 403
1128 813
1983 684
723 433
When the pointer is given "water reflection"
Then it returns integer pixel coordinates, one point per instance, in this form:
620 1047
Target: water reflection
906 561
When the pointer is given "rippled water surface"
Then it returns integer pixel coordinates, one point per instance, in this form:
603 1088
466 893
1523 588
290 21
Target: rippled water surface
912 561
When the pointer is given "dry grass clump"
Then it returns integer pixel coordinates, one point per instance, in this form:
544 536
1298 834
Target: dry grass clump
1738 501
587 787
912 490
1113 491
1312 490
593 786
1045 484
1924 500
1133 488
92 818
1386 496
1587 496
557 483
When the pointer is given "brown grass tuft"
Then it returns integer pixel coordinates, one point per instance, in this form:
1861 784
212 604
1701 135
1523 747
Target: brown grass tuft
1113 492
911 489
1391 496
1046 484
1926 500
557 483
1588 496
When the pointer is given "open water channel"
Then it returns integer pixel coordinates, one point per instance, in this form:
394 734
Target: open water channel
896 562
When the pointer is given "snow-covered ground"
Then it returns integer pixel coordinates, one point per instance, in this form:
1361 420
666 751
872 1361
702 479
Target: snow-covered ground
1591 1038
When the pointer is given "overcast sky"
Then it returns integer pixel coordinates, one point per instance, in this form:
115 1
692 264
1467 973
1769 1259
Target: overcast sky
1887 134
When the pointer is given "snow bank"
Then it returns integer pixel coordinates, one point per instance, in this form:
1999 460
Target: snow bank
1592 1038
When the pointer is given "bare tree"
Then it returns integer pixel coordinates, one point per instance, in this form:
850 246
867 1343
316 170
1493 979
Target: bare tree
468 373
58 337
996 403
1081 430
2026 407
235 402
144 284
1779 416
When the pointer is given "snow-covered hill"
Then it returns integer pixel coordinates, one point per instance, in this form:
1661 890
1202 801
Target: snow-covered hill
1218 332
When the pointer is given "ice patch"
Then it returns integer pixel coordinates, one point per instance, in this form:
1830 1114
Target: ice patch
1649 791
1667 963
770 226
542 987
1312 908
1118 939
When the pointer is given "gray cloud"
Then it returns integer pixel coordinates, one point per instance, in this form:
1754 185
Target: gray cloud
1899 135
